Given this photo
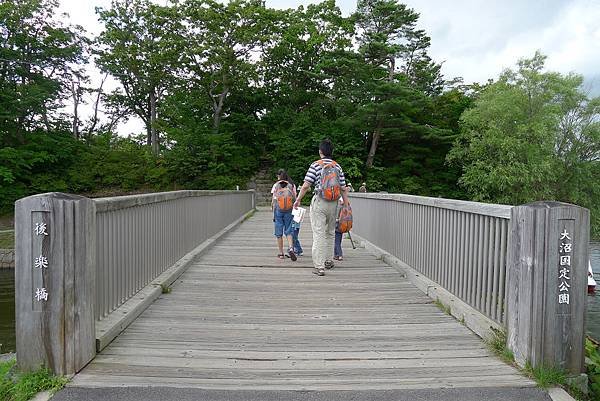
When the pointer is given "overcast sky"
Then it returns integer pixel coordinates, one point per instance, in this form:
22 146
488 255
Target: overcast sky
475 39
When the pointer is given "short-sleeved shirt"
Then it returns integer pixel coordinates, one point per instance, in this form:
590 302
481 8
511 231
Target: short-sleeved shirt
313 175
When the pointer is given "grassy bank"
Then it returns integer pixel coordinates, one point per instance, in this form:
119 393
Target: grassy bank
17 386
7 240
592 353
546 377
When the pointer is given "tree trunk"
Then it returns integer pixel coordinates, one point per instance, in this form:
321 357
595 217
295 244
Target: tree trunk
153 132
391 69
87 133
374 143
45 120
218 109
148 134
379 126
75 93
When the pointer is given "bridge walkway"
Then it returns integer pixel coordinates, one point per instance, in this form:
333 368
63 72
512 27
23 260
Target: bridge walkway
239 318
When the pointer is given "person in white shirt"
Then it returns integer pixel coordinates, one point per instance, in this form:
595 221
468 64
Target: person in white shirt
284 193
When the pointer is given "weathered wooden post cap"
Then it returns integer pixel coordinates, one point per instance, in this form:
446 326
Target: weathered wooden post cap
547 284
54 282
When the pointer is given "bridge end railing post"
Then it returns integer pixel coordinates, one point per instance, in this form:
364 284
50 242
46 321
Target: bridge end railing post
54 282
253 191
547 285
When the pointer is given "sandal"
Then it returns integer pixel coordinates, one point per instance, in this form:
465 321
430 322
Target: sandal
292 254
281 256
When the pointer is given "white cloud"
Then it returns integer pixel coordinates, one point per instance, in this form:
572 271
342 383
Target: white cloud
478 39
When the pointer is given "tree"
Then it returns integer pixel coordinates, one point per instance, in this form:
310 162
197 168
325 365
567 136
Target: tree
141 47
388 36
227 88
38 58
302 71
533 135
223 41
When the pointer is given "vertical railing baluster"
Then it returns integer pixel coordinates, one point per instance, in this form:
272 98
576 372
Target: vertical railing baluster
503 289
489 266
138 241
486 264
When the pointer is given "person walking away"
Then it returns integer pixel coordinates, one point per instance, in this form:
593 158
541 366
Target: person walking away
295 234
328 178
337 248
342 226
284 194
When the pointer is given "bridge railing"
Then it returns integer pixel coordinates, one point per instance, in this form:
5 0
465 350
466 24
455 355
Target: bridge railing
140 236
460 245
86 268
520 268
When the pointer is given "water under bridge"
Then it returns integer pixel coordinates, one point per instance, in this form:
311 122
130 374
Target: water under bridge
184 289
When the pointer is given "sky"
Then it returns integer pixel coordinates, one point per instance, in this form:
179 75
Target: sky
474 39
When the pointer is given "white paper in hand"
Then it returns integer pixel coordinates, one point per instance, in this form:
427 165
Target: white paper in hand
298 214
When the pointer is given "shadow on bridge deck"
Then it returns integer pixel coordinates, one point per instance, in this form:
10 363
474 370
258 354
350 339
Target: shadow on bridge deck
241 319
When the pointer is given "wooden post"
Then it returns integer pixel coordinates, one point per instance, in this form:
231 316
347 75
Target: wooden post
547 285
54 282
253 198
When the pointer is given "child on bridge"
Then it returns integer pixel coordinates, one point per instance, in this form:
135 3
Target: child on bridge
284 195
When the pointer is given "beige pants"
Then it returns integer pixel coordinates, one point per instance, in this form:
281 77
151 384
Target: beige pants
322 220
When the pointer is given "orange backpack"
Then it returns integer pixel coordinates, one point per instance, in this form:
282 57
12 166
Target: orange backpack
331 189
284 196
345 219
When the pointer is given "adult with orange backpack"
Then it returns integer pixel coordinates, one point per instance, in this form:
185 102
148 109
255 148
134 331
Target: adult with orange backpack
284 194
330 185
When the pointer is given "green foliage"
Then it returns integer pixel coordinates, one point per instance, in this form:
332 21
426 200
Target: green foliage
226 89
7 240
546 376
39 164
272 86
16 386
121 164
532 135
592 354
47 163
446 309
38 54
497 343
141 46
202 159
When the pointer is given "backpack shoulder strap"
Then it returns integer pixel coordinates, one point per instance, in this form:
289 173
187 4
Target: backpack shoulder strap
323 164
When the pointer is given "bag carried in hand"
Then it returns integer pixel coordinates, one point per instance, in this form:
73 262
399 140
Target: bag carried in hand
345 219
284 196
331 189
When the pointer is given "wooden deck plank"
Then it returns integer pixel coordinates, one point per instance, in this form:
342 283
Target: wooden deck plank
240 318
303 384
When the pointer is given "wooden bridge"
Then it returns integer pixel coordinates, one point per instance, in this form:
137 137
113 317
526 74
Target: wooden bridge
185 290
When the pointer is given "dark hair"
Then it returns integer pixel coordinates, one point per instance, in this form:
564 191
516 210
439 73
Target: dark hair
326 147
283 175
